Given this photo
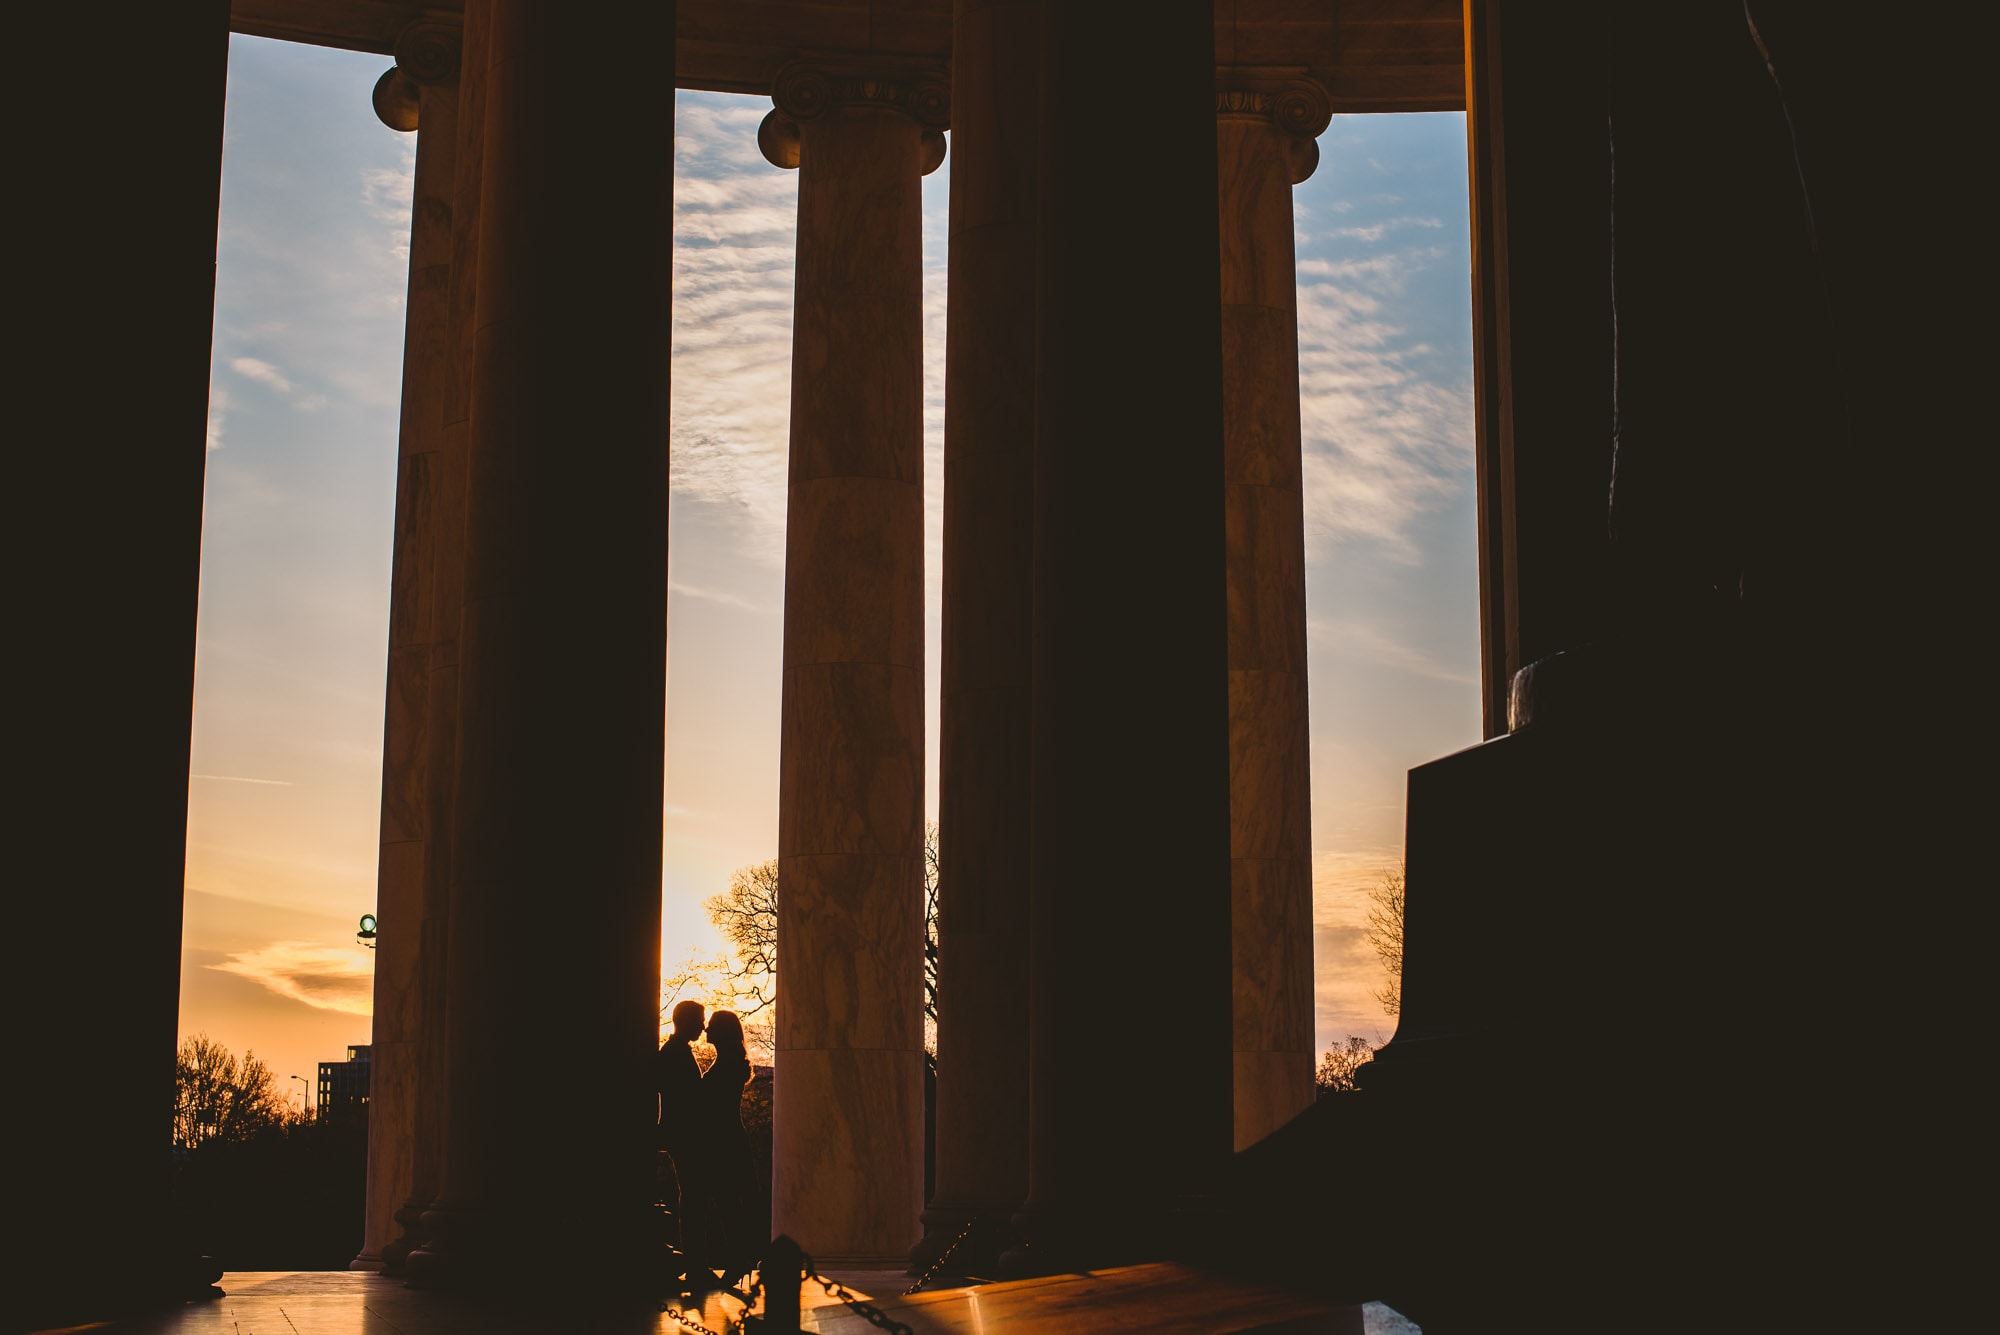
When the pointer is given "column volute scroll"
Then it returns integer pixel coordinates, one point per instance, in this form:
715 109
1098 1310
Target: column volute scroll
810 86
1288 98
426 54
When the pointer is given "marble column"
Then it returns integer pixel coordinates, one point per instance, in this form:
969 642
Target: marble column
448 479
1266 123
419 93
107 480
989 438
848 1102
1130 965
553 956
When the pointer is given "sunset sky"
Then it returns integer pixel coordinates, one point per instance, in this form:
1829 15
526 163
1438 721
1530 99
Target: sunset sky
301 479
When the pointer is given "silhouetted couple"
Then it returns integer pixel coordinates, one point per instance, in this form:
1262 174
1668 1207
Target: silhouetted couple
701 1126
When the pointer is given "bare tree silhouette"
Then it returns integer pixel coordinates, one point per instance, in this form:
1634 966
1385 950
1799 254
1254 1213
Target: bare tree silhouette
1385 935
747 915
220 1097
930 936
1337 1066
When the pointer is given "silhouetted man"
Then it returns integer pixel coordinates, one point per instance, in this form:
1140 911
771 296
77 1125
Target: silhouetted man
680 1091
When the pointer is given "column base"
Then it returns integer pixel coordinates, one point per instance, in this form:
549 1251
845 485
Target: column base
431 1264
1026 1260
396 1253
1059 1240
480 1251
860 1261
138 1281
969 1238
463 1248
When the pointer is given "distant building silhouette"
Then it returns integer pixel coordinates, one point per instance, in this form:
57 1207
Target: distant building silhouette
343 1086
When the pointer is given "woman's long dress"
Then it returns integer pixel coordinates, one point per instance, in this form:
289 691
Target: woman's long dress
734 1241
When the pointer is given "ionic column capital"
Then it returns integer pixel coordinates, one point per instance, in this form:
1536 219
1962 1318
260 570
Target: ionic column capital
426 53
1287 98
811 86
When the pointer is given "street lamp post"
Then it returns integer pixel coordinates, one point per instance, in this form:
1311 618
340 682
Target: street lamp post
305 1097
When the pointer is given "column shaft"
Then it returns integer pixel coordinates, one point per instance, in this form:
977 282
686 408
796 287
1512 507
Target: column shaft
553 971
433 1091
108 517
1130 1008
848 1111
1269 765
407 827
989 433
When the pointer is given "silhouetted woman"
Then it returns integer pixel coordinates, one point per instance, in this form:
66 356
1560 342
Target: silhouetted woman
734 1239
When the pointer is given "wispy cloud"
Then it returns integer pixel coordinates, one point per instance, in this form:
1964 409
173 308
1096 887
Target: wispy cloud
735 221
1342 879
1386 439
320 976
721 596
1359 637
263 372
218 415
1347 973
239 778
735 246
937 229
1377 270
1376 231
387 195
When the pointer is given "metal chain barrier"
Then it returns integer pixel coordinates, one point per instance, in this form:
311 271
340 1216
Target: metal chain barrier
687 1321
868 1312
760 1287
931 1272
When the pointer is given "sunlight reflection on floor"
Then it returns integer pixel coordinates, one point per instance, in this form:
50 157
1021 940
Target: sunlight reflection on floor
1162 1299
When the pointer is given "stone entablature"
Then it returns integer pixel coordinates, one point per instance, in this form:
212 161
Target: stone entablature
1405 57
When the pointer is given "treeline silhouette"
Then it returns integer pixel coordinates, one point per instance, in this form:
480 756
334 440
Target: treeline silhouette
257 1185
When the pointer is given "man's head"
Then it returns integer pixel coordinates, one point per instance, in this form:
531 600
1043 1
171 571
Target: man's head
688 1021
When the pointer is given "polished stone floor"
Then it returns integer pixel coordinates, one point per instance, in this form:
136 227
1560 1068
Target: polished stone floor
1159 1299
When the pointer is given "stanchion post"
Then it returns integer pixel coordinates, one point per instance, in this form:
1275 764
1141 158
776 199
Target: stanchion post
784 1274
